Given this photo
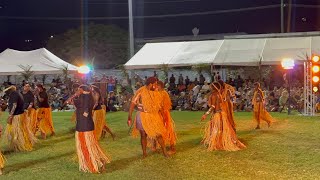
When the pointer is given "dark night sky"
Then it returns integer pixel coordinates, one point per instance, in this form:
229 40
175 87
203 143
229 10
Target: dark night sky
15 29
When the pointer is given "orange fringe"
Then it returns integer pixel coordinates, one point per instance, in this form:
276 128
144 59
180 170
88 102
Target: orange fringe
45 122
90 155
219 134
2 161
19 135
32 119
260 113
229 105
99 117
259 110
151 120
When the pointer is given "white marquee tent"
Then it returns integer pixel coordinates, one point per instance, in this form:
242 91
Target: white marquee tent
236 52
41 61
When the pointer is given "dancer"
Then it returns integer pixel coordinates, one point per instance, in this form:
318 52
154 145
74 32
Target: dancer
99 115
171 137
219 133
44 115
148 120
19 136
228 95
91 157
259 110
29 107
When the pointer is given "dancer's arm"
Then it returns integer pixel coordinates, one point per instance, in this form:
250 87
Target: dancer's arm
133 103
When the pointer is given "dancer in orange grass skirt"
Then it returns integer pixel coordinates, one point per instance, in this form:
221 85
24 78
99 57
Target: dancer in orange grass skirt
219 133
228 95
19 136
91 157
44 115
99 114
148 120
259 110
171 136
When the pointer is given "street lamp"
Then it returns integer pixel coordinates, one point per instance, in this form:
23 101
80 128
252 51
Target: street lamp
288 64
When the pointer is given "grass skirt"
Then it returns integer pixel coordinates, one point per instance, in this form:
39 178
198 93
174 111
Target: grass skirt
171 136
99 119
152 124
219 134
19 135
260 113
45 123
90 155
32 119
2 161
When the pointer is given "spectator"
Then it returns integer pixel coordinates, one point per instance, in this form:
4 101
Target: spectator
201 80
112 102
187 81
180 80
172 79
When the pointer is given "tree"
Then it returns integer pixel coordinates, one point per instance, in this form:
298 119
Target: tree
165 70
27 73
105 44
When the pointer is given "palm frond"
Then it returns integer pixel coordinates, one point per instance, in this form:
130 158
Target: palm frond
27 72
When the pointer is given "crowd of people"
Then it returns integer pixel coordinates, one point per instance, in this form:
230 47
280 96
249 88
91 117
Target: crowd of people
192 95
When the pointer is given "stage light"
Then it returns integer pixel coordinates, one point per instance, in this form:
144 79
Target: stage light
315 69
315 58
315 79
84 69
315 89
287 63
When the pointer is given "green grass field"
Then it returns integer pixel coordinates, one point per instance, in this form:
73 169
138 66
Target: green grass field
290 149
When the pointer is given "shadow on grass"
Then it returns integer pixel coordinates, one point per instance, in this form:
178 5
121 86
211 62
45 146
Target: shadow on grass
189 144
121 164
37 162
45 143
249 135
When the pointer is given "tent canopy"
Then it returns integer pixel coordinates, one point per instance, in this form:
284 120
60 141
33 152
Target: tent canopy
233 52
40 60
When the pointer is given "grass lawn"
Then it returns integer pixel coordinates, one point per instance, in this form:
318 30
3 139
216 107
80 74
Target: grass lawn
290 149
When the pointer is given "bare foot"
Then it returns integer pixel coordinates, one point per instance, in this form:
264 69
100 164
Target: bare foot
1 173
53 134
144 155
43 135
258 127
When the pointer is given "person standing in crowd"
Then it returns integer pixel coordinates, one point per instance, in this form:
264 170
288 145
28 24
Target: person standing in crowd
148 120
259 110
44 116
180 79
29 107
187 81
103 87
99 114
218 133
171 137
90 155
19 136
201 80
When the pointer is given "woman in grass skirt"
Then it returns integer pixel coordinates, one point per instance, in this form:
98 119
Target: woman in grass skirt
219 133
91 157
